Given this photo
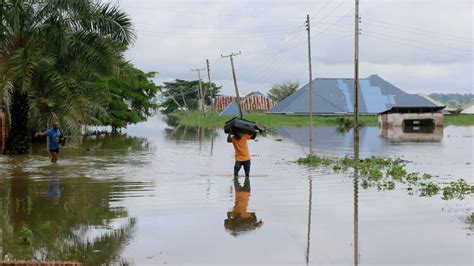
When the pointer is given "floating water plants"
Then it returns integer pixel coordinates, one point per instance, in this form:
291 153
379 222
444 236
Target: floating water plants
382 173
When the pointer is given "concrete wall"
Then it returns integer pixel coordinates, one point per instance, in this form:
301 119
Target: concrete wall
397 134
396 119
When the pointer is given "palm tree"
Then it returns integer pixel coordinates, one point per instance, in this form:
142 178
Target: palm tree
53 49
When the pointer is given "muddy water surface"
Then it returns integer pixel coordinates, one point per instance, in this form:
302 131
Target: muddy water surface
166 194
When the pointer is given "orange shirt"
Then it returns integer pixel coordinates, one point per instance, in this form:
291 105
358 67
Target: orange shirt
241 205
241 148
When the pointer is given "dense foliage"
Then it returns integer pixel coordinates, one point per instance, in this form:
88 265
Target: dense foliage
454 100
129 97
62 60
280 91
183 95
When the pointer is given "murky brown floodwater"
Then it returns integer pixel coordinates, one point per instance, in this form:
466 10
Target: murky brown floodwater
164 195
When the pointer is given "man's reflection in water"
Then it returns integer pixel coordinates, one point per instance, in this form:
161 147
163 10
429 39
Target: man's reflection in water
239 220
54 188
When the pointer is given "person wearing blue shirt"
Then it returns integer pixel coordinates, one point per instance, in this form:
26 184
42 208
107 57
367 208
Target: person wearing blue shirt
55 137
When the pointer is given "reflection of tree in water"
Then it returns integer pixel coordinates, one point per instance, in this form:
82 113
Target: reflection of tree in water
190 133
55 222
171 120
107 141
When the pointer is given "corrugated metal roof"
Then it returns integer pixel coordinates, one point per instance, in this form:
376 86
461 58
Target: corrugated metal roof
469 110
336 96
446 109
231 110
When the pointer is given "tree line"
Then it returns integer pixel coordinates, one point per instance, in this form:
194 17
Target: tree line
454 100
63 61
183 95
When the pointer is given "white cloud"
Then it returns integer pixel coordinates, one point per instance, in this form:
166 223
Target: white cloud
421 46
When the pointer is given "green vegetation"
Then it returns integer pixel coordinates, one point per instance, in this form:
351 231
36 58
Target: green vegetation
280 91
384 173
130 97
454 100
273 120
459 120
183 95
196 119
63 60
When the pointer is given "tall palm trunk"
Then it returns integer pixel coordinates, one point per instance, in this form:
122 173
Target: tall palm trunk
18 141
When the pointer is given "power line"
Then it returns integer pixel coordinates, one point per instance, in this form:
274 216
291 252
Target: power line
437 37
202 35
418 30
204 27
336 7
335 23
322 8
418 41
280 56
194 12
416 46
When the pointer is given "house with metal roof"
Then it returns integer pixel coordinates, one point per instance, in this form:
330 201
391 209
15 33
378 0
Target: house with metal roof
468 111
231 110
333 96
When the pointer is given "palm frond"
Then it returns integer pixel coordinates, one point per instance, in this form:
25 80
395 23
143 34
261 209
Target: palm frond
111 21
22 63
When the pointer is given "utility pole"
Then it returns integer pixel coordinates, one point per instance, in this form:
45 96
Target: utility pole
310 207
211 93
182 97
356 198
356 132
176 102
310 91
201 96
356 65
231 56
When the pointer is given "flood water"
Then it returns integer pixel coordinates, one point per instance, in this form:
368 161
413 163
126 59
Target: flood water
166 195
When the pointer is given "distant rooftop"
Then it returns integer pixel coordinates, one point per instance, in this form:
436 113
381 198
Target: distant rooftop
336 96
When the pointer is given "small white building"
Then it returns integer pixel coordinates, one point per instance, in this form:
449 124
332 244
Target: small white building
412 117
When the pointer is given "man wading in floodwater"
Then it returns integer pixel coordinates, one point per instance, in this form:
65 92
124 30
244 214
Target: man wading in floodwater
242 155
55 137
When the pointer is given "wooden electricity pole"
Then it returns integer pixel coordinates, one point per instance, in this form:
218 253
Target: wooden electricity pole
356 133
201 96
182 97
211 93
356 198
231 56
356 65
310 90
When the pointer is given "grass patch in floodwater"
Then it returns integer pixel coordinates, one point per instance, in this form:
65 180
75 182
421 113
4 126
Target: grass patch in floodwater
273 120
276 120
384 173
459 120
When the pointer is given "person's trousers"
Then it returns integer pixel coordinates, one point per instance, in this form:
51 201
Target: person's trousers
238 166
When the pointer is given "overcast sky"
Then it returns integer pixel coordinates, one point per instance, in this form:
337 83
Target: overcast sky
420 46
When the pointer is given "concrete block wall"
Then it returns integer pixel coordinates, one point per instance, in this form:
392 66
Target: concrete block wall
396 119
